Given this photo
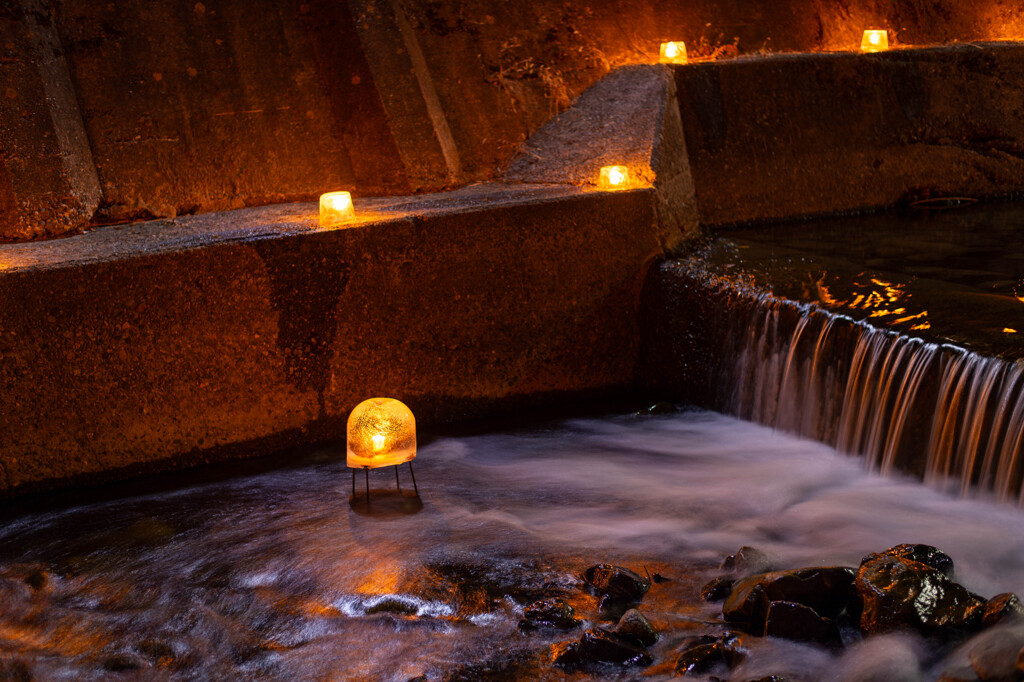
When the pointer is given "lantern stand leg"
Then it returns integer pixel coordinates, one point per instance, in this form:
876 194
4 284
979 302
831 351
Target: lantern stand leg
353 484
397 482
413 479
366 472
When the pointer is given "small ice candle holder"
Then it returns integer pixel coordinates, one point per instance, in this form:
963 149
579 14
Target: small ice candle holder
381 432
613 177
672 52
874 40
336 209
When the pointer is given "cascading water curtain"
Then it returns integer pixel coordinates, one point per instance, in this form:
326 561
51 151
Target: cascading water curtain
949 415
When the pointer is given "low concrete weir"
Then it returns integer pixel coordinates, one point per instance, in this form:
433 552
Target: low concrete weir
902 403
168 344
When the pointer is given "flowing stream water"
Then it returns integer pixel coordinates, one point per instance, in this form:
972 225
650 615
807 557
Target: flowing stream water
274 575
896 338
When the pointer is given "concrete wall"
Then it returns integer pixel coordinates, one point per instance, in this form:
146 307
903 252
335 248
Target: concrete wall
135 109
794 135
166 345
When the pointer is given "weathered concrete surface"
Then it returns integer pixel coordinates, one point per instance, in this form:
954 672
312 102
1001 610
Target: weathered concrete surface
503 69
206 106
795 135
199 106
630 118
167 344
48 183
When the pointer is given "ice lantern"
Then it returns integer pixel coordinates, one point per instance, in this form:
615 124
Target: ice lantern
336 209
874 40
381 433
672 52
613 177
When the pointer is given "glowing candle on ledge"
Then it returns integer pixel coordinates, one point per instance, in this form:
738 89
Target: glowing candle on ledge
673 52
381 433
874 40
336 209
614 177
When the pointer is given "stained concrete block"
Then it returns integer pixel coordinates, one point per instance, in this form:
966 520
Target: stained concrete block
221 104
48 183
629 118
795 135
167 344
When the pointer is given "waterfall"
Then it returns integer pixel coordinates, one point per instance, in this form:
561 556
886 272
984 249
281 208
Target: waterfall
940 411
944 413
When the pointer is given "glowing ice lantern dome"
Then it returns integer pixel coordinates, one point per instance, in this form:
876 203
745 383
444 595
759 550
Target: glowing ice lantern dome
874 40
672 52
336 209
613 177
381 433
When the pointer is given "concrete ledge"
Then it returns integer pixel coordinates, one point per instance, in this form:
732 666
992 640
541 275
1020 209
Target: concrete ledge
182 341
630 118
785 136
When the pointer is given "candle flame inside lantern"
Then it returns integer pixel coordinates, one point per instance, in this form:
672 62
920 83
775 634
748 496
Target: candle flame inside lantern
336 209
874 40
381 433
672 52
614 177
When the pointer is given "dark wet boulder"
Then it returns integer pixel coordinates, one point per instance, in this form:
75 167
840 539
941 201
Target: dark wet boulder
717 589
994 655
800 623
896 593
1000 608
616 581
746 561
602 646
613 608
700 659
922 554
549 613
598 645
567 655
636 628
735 648
825 590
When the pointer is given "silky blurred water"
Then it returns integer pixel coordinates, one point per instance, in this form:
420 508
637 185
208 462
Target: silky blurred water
274 575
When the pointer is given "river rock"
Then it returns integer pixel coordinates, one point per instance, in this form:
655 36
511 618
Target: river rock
636 628
735 648
550 613
613 608
616 581
747 561
1001 607
567 655
922 554
825 590
598 645
800 623
699 659
994 655
897 592
601 646
717 589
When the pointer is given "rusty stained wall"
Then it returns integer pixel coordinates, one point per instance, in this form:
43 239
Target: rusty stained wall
199 106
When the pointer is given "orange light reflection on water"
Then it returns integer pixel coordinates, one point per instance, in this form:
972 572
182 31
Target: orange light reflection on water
879 298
